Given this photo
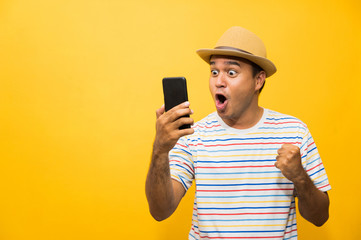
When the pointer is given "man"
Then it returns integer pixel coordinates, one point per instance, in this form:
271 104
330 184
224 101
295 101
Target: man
248 163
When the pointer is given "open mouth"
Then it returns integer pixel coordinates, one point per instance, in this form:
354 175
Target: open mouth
220 98
221 101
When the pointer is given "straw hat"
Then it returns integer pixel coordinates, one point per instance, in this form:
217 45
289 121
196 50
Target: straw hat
239 42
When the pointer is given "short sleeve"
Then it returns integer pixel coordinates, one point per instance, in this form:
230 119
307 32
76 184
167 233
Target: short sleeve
181 163
312 163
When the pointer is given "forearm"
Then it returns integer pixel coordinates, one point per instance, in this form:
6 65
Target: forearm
163 193
159 188
313 204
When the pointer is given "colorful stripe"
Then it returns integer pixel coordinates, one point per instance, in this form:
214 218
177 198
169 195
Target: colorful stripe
240 194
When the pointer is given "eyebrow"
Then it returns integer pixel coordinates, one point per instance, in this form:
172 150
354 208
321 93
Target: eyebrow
232 63
227 63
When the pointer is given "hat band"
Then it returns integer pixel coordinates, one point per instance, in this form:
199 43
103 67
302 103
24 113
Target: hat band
232 48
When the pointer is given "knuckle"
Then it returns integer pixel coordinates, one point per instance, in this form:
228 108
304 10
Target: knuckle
160 121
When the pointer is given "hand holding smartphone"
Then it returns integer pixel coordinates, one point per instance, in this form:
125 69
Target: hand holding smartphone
175 93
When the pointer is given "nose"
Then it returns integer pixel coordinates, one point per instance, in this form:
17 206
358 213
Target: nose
221 80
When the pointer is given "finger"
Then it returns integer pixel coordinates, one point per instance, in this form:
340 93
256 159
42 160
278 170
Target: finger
160 111
179 106
177 113
278 160
276 165
187 131
183 121
285 148
289 149
288 146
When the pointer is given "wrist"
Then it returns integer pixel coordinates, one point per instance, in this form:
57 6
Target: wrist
303 183
159 152
162 145
301 178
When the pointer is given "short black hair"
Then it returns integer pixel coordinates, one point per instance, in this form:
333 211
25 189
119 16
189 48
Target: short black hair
255 70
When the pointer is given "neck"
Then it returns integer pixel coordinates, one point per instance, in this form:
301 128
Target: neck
247 121
247 118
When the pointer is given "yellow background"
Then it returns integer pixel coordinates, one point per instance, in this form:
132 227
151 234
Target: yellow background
80 81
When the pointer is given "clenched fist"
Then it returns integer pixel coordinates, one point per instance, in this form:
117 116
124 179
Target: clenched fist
289 162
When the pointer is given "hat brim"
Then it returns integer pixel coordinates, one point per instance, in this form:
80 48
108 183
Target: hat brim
264 63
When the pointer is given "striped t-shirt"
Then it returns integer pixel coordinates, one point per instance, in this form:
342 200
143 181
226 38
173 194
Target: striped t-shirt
240 194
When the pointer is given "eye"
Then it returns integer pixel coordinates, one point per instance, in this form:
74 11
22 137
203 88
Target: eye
214 72
232 73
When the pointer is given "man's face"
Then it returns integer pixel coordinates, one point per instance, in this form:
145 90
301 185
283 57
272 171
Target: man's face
233 87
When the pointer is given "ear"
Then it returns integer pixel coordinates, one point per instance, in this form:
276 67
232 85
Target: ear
260 79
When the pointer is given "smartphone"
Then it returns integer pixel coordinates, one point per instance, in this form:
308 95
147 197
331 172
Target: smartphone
175 93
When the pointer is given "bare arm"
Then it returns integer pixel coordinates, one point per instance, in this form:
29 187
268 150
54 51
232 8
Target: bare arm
313 204
163 193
